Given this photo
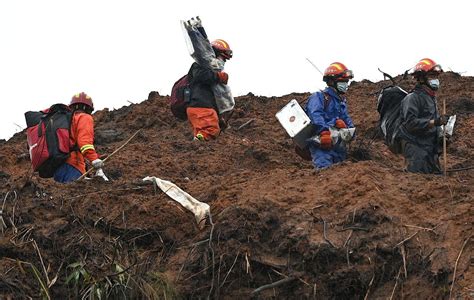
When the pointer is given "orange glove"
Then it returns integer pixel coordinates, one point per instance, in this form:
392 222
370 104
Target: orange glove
340 124
223 77
326 140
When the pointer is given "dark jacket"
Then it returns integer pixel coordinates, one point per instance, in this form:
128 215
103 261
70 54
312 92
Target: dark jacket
417 109
201 80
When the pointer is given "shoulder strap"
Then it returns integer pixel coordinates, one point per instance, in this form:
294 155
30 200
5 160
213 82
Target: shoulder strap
326 99
325 102
75 147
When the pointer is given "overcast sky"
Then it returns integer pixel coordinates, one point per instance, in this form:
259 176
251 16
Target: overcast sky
119 51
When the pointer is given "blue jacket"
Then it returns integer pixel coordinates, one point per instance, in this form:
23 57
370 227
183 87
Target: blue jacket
324 117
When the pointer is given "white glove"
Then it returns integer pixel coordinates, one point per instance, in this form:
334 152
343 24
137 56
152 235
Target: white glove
100 173
98 163
346 134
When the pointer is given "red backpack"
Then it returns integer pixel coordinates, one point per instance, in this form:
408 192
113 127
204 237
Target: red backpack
179 99
48 135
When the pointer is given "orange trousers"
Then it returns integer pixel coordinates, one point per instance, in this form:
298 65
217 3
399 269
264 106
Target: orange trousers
204 121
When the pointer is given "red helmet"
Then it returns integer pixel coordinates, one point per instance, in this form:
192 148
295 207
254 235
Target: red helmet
427 66
222 48
82 98
337 71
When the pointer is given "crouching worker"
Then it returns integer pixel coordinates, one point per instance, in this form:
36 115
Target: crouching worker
81 135
421 120
328 109
202 109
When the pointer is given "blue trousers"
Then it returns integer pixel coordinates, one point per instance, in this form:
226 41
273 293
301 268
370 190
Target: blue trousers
325 158
66 173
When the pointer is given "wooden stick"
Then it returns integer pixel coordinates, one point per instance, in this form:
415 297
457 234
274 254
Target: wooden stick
353 228
406 239
370 285
325 237
456 266
272 285
230 270
423 228
245 124
445 155
461 169
116 150
396 283
404 261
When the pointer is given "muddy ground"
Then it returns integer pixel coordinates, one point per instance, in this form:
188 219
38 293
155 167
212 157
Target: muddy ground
361 229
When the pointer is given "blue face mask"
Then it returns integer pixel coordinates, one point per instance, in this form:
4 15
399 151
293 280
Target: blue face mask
433 84
342 87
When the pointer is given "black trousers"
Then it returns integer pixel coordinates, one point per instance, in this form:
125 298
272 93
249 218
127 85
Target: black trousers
420 160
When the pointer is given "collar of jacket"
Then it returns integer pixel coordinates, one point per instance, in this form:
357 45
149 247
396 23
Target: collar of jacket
425 89
333 93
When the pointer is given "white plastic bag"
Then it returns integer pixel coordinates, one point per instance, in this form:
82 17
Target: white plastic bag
201 51
224 99
199 209
199 46
449 125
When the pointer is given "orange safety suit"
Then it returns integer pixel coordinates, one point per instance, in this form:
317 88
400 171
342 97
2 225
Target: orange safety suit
204 121
82 135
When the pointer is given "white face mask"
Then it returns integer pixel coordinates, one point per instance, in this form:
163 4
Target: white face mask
342 87
434 84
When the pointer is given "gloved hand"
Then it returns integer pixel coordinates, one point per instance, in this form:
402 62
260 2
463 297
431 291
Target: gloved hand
223 77
340 124
223 123
100 173
325 140
442 120
98 163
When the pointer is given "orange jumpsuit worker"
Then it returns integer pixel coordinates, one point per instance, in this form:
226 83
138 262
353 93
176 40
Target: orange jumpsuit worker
202 108
82 136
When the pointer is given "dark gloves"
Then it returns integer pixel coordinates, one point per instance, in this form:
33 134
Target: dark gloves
326 140
442 120
223 123
340 124
223 77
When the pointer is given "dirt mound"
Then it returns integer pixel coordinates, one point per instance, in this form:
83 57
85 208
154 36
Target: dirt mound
279 229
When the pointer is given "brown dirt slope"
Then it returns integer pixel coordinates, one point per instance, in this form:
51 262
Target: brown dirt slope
361 228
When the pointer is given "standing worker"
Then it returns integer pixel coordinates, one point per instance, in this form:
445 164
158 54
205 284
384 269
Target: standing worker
82 136
326 109
421 120
202 109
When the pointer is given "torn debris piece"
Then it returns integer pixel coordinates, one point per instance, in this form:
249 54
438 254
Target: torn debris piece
199 209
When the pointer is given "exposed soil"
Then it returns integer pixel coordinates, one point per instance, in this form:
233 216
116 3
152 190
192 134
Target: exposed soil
361 228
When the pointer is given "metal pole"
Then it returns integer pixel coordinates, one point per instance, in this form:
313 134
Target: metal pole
315 66
445 156
110 155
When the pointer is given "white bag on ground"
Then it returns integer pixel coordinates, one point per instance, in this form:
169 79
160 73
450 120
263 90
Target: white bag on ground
199 209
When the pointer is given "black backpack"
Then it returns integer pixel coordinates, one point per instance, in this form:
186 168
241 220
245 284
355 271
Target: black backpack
388 105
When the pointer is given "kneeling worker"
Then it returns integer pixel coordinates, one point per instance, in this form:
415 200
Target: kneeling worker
421 120
328 109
